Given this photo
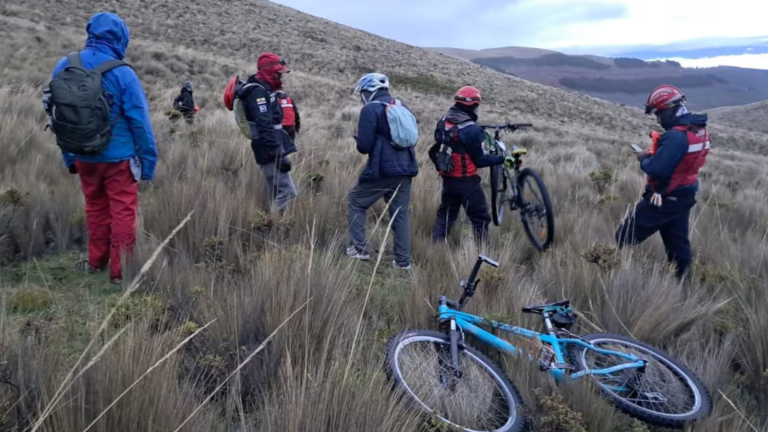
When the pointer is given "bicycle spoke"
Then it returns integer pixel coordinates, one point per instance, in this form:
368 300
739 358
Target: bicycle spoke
659 388
475 401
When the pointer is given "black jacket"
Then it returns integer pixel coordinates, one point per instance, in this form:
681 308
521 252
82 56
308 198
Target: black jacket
185 103
265 117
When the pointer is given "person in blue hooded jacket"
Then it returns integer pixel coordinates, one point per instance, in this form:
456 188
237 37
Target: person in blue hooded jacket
110 178
387 174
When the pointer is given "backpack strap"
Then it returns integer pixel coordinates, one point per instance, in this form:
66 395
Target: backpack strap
73 60
109 65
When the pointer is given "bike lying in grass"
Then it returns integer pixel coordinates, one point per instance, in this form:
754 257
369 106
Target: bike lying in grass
522 190
450 380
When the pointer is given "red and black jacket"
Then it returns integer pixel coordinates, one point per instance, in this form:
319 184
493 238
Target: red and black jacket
291 118
458 131
682 151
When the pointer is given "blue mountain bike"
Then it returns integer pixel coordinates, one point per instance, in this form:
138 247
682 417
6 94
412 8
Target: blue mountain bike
457 385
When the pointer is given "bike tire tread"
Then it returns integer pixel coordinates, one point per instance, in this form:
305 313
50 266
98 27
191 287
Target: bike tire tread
392 375
633 411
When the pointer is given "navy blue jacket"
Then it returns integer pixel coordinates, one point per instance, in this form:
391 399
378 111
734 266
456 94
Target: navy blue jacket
673 146
108 38
374 139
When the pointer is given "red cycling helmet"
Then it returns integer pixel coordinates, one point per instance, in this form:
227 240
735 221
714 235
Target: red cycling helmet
468 95
663 97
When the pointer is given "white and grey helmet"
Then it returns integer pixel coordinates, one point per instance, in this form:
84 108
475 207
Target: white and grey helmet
371 83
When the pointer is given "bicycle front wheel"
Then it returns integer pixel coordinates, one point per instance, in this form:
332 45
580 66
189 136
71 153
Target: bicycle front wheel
481 400
665 394
536 209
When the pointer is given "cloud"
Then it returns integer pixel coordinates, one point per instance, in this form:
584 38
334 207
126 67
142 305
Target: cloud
468 24
553 24
754 61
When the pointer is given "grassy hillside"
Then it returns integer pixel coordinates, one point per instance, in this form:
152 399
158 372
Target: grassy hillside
749 117
233 274
626 80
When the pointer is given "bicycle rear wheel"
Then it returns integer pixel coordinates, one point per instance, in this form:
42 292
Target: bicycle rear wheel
536 209
481 400
665 394
499 194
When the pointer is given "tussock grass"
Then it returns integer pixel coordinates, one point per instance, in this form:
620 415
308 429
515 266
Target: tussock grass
236 273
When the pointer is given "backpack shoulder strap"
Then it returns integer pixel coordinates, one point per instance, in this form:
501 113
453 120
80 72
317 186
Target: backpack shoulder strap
109 65
73 60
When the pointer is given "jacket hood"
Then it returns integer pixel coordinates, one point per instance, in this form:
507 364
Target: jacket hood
456 115
692 119
256 79
108 33
381 95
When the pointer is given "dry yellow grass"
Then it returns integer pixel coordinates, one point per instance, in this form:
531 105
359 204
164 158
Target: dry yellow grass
749 117
249 272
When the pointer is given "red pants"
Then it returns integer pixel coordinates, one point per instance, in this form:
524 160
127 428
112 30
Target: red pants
111 203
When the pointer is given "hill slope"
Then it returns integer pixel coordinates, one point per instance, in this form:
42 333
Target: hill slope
748 117
236 273
626 80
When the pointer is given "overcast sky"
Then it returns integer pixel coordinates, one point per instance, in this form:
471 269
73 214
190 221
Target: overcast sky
555 24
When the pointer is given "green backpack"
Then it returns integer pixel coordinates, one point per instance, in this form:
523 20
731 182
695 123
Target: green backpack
77 107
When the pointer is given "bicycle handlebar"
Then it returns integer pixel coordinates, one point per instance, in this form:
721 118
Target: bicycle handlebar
471 283
510 126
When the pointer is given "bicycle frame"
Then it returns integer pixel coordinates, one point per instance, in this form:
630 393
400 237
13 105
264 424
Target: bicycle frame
461 322
467 323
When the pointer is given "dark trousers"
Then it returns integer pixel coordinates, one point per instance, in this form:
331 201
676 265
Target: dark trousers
458 193
670 220
396 191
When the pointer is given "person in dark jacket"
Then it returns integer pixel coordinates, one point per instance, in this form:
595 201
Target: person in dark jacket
387 174
461 183
672 170
270 143
185 103
110 178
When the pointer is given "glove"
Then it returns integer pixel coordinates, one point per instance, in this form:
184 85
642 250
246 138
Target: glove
509 161
72 169
284 165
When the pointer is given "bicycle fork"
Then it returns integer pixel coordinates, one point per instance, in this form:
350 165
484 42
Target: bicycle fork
450 370
454 335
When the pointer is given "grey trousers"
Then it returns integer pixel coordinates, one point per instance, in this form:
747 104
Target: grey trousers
280 187
364 195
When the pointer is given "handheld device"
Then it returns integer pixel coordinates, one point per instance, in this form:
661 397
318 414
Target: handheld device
636 148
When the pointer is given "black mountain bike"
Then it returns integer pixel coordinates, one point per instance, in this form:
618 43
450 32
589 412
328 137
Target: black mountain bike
521 190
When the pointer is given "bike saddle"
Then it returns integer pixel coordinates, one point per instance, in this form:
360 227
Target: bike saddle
538 309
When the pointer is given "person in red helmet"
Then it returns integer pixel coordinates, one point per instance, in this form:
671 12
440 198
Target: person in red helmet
672 171
263 117
457 155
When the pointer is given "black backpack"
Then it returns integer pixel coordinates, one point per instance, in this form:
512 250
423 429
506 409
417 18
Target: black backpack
77 107
446 142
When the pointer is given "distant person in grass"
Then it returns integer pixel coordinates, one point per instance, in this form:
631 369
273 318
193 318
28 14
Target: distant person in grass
185 103
672 167
457 155
387 174
112 156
